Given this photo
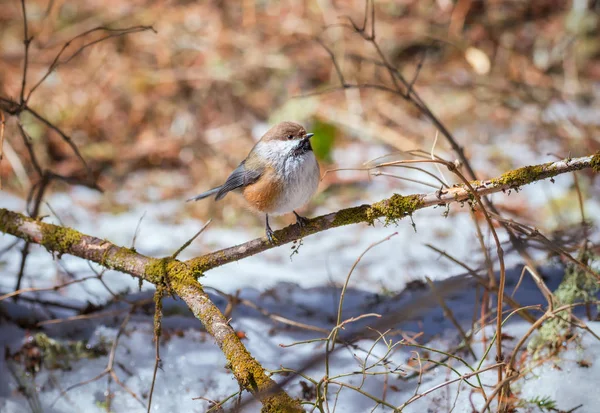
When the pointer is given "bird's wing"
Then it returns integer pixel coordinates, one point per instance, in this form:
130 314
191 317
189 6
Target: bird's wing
239 178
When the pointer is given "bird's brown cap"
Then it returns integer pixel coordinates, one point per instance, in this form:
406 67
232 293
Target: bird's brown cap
285 131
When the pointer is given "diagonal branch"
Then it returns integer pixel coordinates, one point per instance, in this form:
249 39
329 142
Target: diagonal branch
395 208
64 136
180 279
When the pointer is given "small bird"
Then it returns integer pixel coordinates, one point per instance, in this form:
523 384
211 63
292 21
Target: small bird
279 175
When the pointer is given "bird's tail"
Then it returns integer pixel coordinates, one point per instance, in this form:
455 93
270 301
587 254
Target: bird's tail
205 194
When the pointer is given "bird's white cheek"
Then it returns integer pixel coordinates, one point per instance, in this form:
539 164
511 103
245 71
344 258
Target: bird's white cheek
275 151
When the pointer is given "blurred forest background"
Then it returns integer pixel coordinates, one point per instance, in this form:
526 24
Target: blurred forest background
182 104
169 109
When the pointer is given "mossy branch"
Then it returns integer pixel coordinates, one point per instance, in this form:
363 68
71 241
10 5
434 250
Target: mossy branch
180 279
396 208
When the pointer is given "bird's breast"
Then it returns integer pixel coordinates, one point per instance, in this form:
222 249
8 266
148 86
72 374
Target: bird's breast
264 194
285 187
301 176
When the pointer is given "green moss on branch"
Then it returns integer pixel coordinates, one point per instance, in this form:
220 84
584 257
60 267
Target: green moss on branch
394 209
595 163
9 223
59 239
350 216
521 176
120 258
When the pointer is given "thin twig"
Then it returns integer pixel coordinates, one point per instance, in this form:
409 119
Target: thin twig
345 286
26 43
109 370
113 33
448 313
53 288
508 299
64 136
188 242
29 145
446 383
137 230
158 295
275 317
2 122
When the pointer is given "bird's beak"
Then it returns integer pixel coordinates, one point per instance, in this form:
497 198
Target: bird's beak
309 135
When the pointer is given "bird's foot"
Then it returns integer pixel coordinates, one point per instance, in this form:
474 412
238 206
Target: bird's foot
269 231
300 220
270 235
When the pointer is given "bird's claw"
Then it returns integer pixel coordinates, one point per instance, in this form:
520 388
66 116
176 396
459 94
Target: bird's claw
269 233
300 220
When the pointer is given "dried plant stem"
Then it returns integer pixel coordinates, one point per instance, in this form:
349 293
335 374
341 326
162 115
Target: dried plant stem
507 299
446 383
448 313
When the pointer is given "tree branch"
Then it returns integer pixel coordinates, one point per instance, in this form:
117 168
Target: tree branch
394 209
166 271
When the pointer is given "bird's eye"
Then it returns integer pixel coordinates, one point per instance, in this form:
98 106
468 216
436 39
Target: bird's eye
290 137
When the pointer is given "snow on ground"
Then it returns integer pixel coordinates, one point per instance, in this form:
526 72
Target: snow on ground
193 366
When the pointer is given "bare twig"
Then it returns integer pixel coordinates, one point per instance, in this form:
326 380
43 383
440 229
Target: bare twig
343 292
2 122
53 288
448 313
275 317
64 136
446 383
137 230
416 181
112 33
188 242
508 299
26 43
158 295
401 87
109 370
28 144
